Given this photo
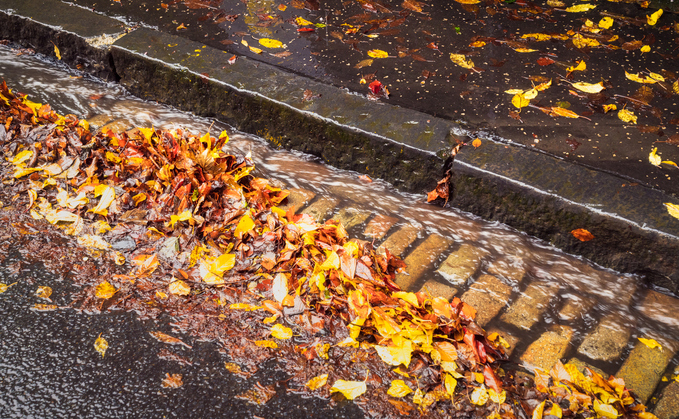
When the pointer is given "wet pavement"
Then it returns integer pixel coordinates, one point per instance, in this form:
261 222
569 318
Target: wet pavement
505 45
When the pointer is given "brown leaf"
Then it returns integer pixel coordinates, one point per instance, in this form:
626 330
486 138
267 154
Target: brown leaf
172 380
162 337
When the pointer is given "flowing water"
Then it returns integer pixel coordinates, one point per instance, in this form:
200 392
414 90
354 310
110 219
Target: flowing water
579 293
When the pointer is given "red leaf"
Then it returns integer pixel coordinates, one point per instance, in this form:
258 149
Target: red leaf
491 379
305 30
545 61
375 87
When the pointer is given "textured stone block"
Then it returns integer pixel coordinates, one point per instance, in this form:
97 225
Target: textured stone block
422 259
378 227
488 295
550 347
460 265
607 341
529 307
400 240
297 199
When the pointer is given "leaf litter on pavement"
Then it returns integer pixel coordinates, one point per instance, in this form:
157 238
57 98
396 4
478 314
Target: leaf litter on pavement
200 236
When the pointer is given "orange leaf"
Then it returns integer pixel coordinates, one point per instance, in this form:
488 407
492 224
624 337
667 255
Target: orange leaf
563 112
582 235
476 143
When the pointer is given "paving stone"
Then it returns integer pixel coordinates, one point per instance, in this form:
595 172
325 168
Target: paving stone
400 240
607 341
99 121
529 307
438 289
460 265
643 368
661 308
117 126
668 404
510 268
575 308
508 337
321 208
351 193
297 199
604 286
350 217
422 259
549 348
488 295
582 364
379 226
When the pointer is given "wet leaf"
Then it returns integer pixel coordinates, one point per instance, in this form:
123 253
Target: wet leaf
396 355
244 306
476 143
56 52
462 61
468 1
302 22
605 410
654 158
627 116
376 53
172 380
365 63
179 287
579 8
281 332
606 23
498 398
610 107
582 234
450 383
556 110
44 292
672 209
350 389
244 225
271 43
537 413
258 394
45 307
107 194
184 216
589 87
399 388
101 345
640 78
279 287
105 290
581 41
651 343
520 101
162 337
317 382
266 344
93 241
5 287
212 271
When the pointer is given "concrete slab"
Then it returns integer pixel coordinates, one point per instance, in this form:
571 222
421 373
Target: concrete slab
575 307
508 337
422 259
510 268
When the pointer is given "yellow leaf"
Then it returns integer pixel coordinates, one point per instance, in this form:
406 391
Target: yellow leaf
589 87
514 91
537 413
497 398
105 290
281 332
377 53
350 389
255 50
184 216
673 209
578 8
675 86
317 382
266 344
279 287
627 116
56 52
479 396
468 1
44 292
656 76
244 225
645 48
640 79
45 307
331 262
606 23
22 156
605 410
646 415
655 160
537 36
581 66
461 60
302 22
582 41
271 43
396 355
212 272
23 171
5 287
101 227
450 367
399 388
101 345
364 63
172 380
161 295
477 44
107 195
530 94
93 241
555 411
450 383
651 343
244 306
524 49
610 107
543 86
652 19
119 258
407 296
179 287
520 101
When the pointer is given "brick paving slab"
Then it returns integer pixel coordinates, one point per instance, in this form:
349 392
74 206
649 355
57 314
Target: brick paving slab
510 268
401 239
297 199
661 308
668 403
378 227
643 369
350 217
488 295
117 126
607 341
529 307
320 209
550 347
511 339
438 289
575 307
580 364
460 265
422 259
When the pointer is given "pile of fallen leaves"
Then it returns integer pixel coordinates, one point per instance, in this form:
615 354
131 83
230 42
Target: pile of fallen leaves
191 232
